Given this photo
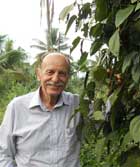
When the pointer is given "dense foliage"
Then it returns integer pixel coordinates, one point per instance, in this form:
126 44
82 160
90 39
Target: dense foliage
112 130
17 76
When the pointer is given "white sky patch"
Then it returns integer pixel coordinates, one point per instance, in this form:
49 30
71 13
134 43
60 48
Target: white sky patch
20 20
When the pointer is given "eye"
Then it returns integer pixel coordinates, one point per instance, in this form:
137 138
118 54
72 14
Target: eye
62 73
49 72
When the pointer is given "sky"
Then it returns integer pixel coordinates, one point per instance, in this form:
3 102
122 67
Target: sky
20 20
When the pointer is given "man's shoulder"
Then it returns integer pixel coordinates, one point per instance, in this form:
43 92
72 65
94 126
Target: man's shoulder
70 95
71 98
23 98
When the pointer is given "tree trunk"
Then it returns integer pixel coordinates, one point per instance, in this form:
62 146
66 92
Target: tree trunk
48 24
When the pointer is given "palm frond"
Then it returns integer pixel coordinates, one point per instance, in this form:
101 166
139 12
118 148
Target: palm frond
39 47
38 41
17 74
14 57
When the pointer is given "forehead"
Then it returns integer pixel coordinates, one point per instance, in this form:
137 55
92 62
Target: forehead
55 61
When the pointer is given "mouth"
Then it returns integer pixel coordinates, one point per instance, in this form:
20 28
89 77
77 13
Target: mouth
56 85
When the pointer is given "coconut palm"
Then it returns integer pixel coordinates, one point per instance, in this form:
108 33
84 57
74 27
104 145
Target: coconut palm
11 60
57 42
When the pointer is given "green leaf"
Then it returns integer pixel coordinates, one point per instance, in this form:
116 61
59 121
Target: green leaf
85 29
136 73
65 11
75 43
71 20
101 10
83 58
95 46
99 74
137 7
133 1
114 43
85 10
98 115
137 32
113 97
96 30
126 140
90 89
135 128
127 61
84 107
122 15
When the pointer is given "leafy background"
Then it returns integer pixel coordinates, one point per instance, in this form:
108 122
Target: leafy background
111 130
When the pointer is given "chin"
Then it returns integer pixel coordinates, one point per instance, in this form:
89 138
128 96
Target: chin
54 93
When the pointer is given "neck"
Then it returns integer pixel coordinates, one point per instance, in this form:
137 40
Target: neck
49 100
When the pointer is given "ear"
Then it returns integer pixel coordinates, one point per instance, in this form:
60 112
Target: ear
38 73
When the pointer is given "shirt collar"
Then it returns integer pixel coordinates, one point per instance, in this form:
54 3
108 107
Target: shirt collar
36 100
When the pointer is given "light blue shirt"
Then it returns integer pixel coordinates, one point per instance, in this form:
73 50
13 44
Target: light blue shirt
33 136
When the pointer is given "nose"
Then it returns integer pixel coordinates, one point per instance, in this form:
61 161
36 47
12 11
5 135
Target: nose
55 77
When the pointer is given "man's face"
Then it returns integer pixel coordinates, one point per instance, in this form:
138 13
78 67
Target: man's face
53 75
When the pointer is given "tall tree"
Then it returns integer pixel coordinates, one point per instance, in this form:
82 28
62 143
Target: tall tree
47 12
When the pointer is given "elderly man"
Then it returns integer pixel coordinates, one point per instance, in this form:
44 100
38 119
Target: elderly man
36 130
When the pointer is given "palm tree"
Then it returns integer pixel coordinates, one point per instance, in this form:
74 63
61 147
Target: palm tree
57 42
11 60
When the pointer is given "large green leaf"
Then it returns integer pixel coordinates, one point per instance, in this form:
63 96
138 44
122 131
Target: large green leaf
137 25
133 1
126 140
71 20
127 61
136 73
75 43
96 30
83 58
101 10
113 97
135 128
66 11
137 7
85 11
95 46
122 15
84 107
114 43
90 90
99 74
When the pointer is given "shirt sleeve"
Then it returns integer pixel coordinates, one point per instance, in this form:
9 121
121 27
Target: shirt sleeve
7 141
76 101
